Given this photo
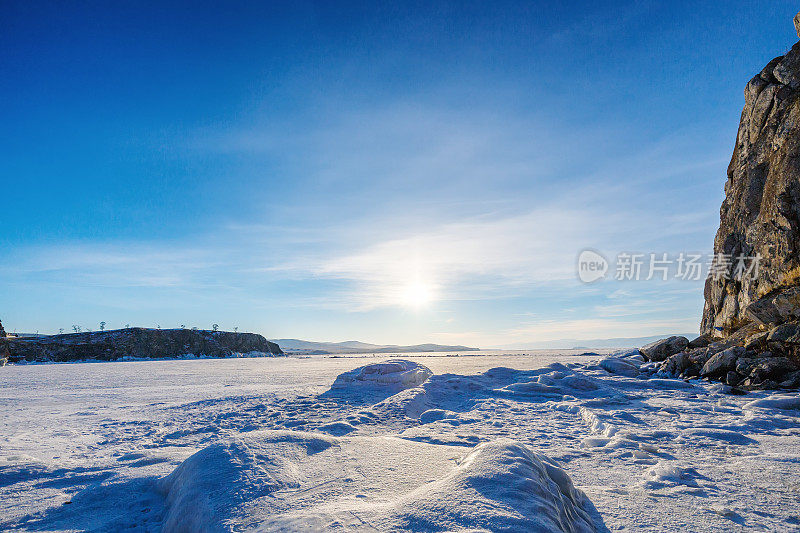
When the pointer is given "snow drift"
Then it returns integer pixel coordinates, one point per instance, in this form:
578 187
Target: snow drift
213 486
500 486
285 480
391 376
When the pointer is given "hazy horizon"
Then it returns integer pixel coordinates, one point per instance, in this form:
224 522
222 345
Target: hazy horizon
554 344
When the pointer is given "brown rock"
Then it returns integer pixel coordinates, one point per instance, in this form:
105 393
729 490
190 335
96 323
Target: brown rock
788 333
732 378
756 341
792 380
723 362
744 365
675 365
776 307
700 342
767 384
772 368
660 350
797 24
761 211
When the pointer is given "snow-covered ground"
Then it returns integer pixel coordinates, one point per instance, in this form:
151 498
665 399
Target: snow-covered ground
538 442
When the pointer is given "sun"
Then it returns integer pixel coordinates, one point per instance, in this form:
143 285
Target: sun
416 294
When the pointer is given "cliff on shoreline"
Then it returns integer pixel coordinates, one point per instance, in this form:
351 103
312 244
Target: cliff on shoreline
140 343
751 317
760 215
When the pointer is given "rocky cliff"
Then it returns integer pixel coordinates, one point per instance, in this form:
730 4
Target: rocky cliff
751 316
761 211
139 343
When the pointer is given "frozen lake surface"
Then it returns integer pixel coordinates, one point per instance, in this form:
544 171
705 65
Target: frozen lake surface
479 444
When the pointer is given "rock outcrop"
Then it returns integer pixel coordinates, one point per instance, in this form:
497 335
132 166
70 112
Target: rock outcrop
660 350
139 343
760 215
751 318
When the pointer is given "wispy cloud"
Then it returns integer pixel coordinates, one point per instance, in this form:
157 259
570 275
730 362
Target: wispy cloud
469 207
116 265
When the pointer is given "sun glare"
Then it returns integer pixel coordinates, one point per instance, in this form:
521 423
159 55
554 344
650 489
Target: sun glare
416 294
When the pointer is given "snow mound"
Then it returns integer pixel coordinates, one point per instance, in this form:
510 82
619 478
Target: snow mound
556 384
718 434
615 365
668 383
393 375
213 483
499 486
663 474
337 428
409 403
434 415
631 353
298 481
775 401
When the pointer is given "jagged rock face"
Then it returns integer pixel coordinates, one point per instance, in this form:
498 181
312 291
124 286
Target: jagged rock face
797 24
761 210
139 343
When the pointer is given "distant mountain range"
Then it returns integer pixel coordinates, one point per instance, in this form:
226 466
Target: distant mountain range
298 346
566 344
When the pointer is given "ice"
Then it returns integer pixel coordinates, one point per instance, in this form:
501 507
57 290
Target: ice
433 415
410 403
274 448
557 383
500 485
718 434
630 353
665 474
666 383
210 488
393 375
337 428
776 401
622 367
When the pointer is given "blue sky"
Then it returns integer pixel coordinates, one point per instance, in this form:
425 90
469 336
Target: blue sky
409 172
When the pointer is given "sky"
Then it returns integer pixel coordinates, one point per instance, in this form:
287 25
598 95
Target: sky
398 172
